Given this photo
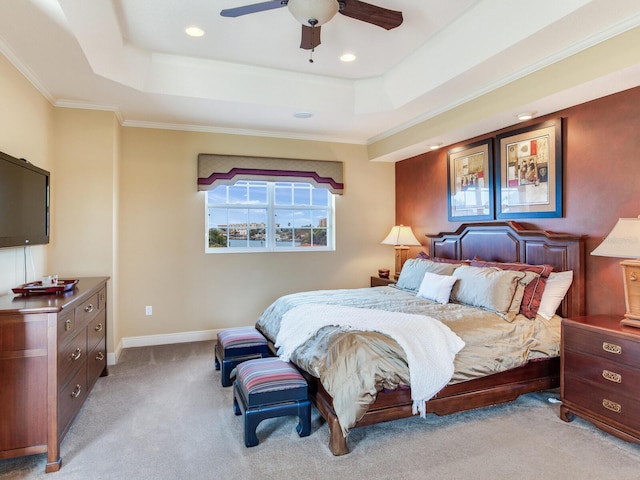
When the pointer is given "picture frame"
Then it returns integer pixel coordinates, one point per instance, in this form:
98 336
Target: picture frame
470 182
529 172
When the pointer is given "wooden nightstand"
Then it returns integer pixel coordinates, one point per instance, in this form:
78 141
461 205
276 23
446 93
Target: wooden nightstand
381 282
600 374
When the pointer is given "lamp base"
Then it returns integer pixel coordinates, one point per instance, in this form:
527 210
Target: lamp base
630 322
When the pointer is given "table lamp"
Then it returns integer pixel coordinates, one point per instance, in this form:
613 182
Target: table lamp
401 236
624 242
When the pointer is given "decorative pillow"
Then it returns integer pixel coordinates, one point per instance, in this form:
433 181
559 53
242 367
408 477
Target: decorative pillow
436 287
557 286
489 288
516 302
533 291
414 269
426 256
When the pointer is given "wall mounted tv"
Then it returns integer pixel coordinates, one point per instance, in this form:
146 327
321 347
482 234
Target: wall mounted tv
24 203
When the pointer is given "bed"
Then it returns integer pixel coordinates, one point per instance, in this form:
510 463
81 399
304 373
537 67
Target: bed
475 382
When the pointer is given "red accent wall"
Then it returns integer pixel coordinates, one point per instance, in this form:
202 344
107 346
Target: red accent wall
601 184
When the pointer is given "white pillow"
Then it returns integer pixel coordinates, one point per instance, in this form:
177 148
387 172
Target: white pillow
414 269
436 287
554 291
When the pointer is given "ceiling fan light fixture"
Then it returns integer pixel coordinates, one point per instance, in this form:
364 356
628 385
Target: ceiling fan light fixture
526 116
347 57
194 31
313 12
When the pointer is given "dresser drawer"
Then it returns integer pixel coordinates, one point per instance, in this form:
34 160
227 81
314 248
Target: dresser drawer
96 363
604 345
87 311
102 299
609 403
71 355
66 325
71 398
96 330
602 372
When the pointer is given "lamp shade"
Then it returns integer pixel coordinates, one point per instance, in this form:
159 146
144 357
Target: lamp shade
313 12
623 241
401 235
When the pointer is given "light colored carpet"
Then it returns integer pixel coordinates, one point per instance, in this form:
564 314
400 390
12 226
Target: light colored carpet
162 414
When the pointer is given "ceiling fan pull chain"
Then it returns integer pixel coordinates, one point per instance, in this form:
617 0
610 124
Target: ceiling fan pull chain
311 55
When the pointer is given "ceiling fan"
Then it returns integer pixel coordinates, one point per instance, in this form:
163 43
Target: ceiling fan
314 13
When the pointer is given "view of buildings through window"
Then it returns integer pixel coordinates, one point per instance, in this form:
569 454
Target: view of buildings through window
269 216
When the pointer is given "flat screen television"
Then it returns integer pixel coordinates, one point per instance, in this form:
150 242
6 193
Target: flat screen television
24 203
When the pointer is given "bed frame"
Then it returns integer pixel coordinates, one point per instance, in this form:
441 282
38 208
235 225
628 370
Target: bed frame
493 241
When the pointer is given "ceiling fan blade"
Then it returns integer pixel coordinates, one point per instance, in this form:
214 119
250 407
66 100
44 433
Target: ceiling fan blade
310 37
373 14
254 8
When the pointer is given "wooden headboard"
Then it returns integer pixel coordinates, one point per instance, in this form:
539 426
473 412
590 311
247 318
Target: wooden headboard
511 242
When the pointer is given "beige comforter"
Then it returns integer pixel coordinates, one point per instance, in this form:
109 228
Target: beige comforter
354 366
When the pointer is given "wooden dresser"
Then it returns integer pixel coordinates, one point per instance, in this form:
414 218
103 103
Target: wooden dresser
600 374
52 350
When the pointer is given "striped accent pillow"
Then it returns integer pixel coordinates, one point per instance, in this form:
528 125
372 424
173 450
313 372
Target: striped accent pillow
267 375
534 289
240 337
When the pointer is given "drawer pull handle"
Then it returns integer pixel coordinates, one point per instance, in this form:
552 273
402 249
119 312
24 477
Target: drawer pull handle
76 391
612 376
89 308
100 356
611 348
76 355
613 406
98 327
67 325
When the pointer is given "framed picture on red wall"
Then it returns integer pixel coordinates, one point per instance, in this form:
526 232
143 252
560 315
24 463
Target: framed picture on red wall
470 182
529 171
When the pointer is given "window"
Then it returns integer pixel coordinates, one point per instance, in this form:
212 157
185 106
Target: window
256 216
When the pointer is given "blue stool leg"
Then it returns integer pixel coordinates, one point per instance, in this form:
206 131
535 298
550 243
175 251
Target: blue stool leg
225 373
304 414
216 355
251 421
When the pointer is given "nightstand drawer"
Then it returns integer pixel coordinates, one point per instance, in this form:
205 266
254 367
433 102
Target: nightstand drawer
382 282
604 402
611 347
609 375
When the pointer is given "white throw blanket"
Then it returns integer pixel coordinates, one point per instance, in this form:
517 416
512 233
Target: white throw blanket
430 346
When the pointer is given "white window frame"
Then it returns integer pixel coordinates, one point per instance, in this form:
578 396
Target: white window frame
271 207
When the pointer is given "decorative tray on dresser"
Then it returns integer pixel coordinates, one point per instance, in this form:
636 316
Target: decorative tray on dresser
600 374
52 350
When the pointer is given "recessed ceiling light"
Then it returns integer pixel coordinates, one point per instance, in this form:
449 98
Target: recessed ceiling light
526 115
435 146
194 31
303 114
347 57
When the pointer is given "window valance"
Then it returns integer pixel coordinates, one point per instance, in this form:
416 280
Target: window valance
214 170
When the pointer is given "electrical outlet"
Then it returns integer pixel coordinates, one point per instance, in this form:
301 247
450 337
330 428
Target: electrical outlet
148 310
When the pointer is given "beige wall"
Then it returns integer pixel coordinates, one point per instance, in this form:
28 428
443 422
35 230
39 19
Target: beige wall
83 200
26 131
161 234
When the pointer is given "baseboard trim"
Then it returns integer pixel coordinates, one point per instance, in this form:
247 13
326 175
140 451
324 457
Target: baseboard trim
162 339
169 338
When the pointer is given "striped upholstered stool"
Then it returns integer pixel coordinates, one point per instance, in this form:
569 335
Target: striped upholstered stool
268 388
237 345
